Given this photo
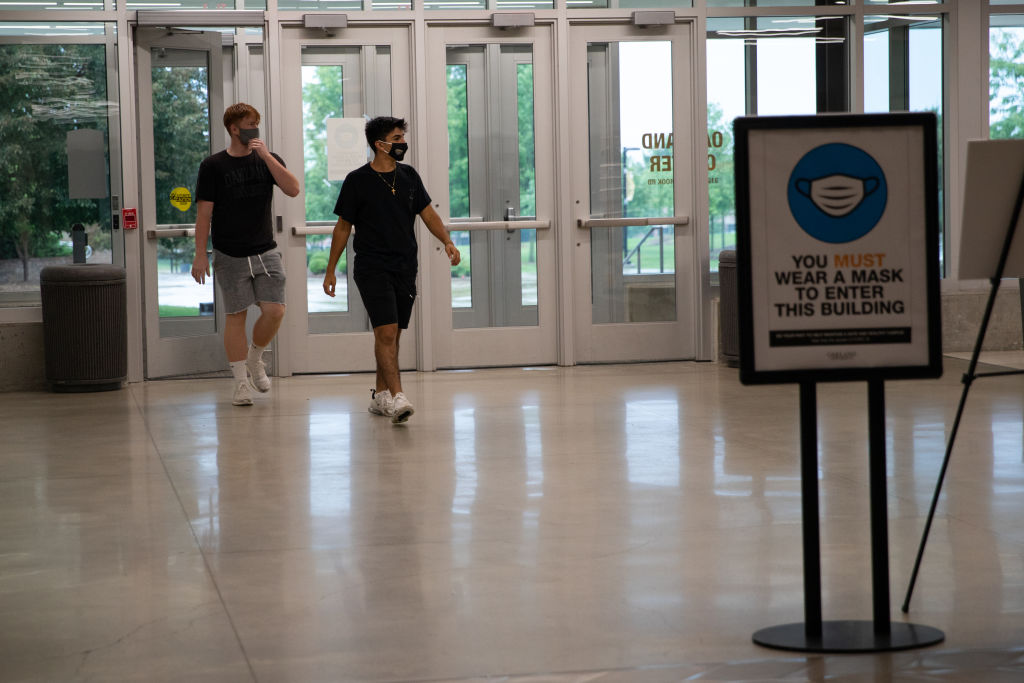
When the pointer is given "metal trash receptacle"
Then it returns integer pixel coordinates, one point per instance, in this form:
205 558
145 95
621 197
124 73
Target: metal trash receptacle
728 310
85 330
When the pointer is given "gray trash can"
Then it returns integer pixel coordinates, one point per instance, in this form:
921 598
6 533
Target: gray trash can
85 330
728 310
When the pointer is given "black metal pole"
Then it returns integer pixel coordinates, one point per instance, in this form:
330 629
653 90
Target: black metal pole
938 490
809 496
879 504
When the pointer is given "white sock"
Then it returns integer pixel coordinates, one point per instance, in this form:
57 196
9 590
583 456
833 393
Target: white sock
238 370
256 352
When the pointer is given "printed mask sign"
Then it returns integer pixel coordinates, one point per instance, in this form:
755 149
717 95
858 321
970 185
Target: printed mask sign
181 198
837 247
346 146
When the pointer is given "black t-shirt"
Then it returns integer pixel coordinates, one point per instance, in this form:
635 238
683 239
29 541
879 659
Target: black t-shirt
384 234
241 189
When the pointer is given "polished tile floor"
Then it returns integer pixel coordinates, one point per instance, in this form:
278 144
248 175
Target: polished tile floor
599 523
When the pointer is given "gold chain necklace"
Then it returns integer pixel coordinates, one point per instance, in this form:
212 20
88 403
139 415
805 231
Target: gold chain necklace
394 179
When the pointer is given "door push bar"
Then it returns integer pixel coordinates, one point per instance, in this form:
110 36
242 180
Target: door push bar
171 231
316 228
498 225
629 222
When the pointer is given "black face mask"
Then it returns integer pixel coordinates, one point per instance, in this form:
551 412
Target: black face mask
398 150
247 134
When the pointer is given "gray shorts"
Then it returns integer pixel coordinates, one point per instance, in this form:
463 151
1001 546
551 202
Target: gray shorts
248 280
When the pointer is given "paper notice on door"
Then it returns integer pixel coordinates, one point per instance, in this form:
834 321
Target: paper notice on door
346 146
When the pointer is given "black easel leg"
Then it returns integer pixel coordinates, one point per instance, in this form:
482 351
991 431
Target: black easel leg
809 497
879 505
968 379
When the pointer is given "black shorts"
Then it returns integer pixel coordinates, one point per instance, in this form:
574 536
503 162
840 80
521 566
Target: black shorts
388 296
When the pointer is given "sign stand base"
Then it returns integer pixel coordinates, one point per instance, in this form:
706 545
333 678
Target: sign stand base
848 637
813 634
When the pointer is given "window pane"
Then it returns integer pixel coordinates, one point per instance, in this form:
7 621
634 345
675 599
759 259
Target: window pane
455 4
56 109
482 4
459 180
726 102
492 177
786 76
181 104
322 5
1006 99
778 3
631 160
524 115
603 4
322 99
335 104
903 55
181 5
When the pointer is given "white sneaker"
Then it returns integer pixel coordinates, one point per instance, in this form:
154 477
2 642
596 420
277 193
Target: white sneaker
402 410
381 402
242 395
258 379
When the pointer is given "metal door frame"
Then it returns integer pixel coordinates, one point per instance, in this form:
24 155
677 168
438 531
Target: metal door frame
492 346
342 351
625 342
195 348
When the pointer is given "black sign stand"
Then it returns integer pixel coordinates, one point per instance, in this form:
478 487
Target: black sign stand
968 379
758 174
815 635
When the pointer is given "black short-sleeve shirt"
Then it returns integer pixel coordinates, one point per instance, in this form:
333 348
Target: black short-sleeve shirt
241 189
384 221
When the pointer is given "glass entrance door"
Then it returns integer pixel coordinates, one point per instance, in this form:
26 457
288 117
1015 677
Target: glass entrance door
492 94
180 76
331 85
635 255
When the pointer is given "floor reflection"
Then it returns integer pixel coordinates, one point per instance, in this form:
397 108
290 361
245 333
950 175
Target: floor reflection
602 523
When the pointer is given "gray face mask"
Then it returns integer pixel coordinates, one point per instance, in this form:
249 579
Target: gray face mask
247 134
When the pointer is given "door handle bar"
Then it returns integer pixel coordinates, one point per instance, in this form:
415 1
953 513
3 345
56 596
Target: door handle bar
498 225
314 228
629 222
172 231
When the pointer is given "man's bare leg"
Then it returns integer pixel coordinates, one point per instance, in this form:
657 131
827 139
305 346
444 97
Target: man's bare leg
267 324
385 351
235 345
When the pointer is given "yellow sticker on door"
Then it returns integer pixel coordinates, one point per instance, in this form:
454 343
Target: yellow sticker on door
181 198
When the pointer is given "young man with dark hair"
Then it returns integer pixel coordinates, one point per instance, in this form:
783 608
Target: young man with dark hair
382 200
233 195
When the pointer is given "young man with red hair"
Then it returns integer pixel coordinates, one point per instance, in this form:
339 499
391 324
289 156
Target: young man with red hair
233 201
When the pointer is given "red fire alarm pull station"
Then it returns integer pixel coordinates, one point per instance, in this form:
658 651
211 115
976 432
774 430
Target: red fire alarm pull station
130 218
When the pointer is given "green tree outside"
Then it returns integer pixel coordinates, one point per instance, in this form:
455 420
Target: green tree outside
1006 83
721 183
47 91
181 140
323 98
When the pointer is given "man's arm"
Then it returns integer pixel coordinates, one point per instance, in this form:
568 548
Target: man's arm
284 178
437 229
201 263
339 240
